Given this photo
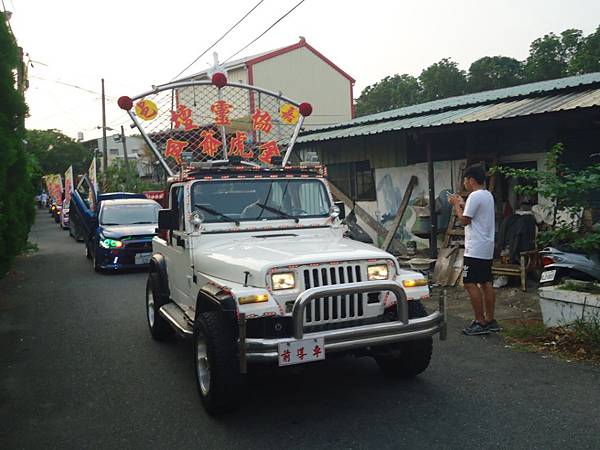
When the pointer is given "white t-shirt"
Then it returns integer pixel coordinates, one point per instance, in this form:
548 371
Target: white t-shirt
479 234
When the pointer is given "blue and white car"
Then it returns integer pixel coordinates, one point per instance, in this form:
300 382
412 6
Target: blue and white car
124 232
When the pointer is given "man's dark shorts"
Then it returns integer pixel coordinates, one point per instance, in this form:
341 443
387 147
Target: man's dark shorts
477 271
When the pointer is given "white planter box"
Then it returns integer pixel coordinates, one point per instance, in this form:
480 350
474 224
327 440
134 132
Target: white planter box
561 307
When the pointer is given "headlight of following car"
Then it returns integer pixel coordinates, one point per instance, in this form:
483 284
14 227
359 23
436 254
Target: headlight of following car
110 243
281 281
378 272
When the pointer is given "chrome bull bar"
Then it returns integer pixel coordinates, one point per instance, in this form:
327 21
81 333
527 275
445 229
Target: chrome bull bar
403 329
345 289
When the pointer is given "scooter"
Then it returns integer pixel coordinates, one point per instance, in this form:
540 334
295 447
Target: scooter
559 265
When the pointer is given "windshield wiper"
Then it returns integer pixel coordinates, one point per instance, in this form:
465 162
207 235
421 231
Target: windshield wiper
278 211
140 223
216 213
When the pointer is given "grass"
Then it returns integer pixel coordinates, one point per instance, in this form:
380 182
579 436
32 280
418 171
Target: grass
592 288
577 341
30 247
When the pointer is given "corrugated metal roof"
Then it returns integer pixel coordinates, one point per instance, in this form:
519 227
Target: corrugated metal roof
476 113
525 90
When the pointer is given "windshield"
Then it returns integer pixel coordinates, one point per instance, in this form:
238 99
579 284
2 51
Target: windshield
141 213
266 199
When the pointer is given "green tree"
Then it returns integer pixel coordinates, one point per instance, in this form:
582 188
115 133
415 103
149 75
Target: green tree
442 79
494 72
571 191
119 179
16 193
587 58
551 56
389 93
55 152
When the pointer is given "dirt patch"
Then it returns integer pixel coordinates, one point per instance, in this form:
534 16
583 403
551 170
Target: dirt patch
511 303
579 342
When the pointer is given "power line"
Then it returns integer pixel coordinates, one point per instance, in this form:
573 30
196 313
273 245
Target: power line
70 85
265 32
218 40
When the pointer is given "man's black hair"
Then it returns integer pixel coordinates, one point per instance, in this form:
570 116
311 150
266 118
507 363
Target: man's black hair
477 172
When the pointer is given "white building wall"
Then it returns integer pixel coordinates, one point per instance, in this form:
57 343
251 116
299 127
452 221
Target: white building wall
116 154
303 76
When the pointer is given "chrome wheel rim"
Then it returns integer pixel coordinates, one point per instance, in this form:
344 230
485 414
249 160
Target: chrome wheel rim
150 303
202 366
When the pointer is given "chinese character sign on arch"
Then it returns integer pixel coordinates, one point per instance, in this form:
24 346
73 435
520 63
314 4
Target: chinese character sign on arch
214 120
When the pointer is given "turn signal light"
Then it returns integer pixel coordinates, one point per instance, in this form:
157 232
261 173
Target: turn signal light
414 282
256 298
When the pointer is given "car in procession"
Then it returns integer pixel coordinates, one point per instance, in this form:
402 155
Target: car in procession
252 260
116 227
123 237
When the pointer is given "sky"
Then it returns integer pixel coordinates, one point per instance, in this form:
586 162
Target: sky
135 44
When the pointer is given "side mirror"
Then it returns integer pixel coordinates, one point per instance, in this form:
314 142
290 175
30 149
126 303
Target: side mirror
167 219
342 208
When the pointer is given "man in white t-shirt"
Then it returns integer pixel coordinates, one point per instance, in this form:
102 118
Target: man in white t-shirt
478 217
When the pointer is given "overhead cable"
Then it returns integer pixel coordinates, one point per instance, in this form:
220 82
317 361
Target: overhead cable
265 32
218 40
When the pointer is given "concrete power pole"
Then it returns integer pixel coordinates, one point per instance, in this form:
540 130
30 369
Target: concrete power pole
124 141
104 150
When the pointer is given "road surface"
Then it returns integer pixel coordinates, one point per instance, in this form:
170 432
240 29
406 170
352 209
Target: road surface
79 370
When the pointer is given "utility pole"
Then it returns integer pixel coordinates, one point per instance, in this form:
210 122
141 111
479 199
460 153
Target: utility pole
124 141
104 150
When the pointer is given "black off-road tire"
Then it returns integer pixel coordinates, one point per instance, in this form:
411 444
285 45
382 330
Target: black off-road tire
414 356
216 333
157 324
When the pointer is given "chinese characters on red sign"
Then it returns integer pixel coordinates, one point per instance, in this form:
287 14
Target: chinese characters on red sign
174 149
267 151
261 121
221 109
183 117
237 146
210 144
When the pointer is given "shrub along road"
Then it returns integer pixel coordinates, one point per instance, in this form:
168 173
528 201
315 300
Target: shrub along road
78 370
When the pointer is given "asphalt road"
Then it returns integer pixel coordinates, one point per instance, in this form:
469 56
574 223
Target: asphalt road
78 369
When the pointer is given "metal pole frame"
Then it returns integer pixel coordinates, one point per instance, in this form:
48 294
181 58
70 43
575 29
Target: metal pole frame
182 84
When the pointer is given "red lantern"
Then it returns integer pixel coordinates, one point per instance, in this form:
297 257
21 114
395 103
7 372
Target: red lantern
125 103
219 79
305 109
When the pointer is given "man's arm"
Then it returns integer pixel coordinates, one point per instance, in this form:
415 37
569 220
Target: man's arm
459 208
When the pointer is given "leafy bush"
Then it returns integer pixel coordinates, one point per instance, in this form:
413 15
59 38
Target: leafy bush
570 190
16 191
119 179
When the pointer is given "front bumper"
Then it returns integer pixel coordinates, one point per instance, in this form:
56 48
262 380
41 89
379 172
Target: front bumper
121 259
360 337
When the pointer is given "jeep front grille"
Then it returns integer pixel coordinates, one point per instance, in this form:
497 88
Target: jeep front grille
341 308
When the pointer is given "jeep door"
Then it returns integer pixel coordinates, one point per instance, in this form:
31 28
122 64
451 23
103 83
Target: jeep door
177 251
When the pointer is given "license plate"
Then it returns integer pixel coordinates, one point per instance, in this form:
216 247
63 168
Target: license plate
300 352
143 258
548 275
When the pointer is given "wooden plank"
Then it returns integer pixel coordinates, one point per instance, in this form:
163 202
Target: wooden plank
360 212
403 205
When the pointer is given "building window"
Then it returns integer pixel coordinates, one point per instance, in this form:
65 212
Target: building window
355 179
114 151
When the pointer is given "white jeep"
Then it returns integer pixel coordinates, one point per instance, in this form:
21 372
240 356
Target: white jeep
255 265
